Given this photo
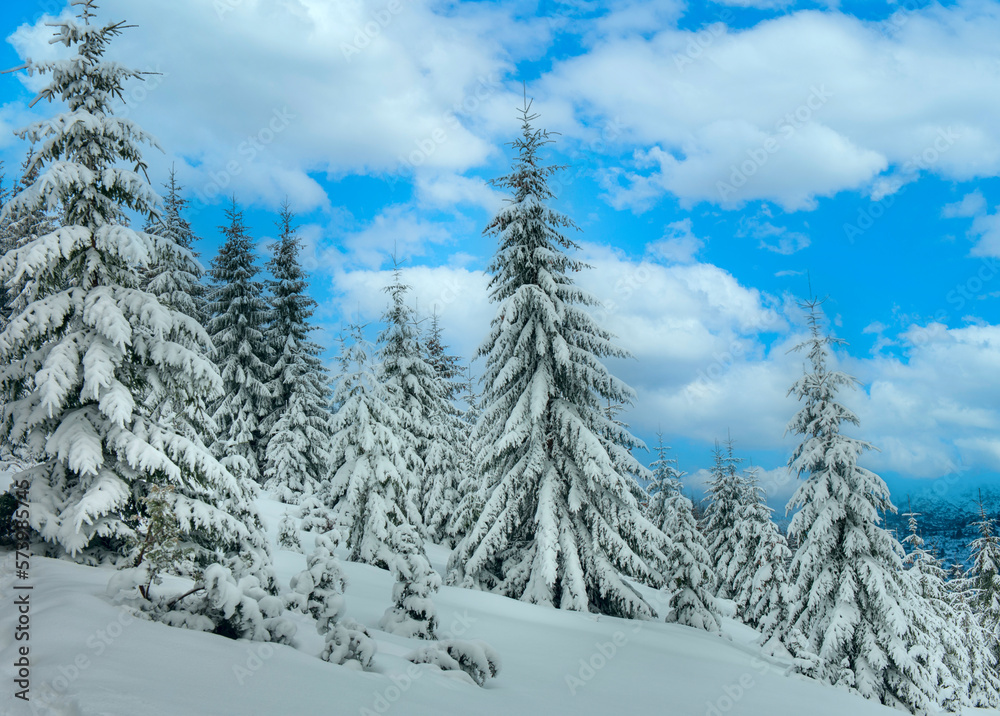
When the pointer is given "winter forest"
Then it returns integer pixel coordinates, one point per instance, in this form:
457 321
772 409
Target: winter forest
206 513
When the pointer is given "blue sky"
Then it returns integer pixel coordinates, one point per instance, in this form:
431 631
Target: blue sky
722 157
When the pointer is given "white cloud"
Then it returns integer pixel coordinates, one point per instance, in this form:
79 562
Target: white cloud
782 111
970 205
359 89
450 190
679 244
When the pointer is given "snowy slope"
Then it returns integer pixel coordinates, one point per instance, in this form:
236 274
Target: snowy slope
99 661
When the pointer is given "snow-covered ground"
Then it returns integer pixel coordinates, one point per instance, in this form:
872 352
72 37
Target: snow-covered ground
90 658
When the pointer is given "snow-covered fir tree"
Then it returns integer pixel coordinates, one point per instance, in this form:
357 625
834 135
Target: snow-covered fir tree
983 683
16 229
8 242
444 462
470 497
985 576
848 592
318 590
288 533
78 360
664 485
759 584
561 523
238 315
936 621
175 279
370 484
413 390
726 498
297 432
412 613
692 579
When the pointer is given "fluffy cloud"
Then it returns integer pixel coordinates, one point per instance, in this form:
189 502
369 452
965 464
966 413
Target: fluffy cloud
782 111
265 92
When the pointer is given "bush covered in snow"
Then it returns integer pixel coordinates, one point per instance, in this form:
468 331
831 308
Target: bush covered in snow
237 610
288 533
347 640
413 613
476 658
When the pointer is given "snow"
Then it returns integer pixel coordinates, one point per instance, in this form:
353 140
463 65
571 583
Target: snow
96 658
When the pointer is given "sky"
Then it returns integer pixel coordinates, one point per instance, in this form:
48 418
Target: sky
723 161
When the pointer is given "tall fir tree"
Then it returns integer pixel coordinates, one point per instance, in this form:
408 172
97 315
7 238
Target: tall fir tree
444 462
239 313
176 281
561 523
79 359
759 582
470 497
18 228
726 496
663 487
8 242
949 650
369 488
985 576
983 685
848 594
692 577
297 432
412 388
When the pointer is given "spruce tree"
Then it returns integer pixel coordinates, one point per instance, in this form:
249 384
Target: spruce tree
759 583
79 359
444 462
238 315
692 578
369 486
16 229
8 242
848 593
561 522
175 280
413 391
297 432
412 613
470 496
985 576
983 684
726 496
663 487
936 619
